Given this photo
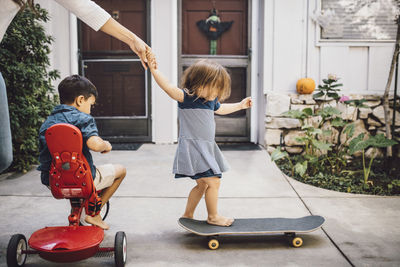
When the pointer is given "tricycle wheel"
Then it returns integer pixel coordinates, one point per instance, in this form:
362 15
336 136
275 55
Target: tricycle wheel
15 257
120 249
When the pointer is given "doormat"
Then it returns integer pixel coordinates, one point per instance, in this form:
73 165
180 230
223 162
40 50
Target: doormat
126 146
238 146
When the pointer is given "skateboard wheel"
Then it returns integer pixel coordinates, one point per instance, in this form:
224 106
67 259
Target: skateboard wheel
213 244
297 242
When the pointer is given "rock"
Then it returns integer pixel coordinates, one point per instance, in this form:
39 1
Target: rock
331 103
272 137
314 121
308 99
371 128
333 138
301 107
294 150
359 128
297 101
277 104
290 138
374 152
379 113
270 149
373 122
287 123
372 103
364 112
348 112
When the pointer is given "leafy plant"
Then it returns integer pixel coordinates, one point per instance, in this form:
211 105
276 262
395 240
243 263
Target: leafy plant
24 53
361 144
330 88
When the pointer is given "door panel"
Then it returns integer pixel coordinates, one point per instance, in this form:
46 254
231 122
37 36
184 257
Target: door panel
132 14
232 42
232 53
123 106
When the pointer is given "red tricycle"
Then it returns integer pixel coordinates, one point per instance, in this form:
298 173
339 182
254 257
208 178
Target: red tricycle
70 178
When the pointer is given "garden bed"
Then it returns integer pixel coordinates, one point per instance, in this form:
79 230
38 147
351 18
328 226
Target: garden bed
384 178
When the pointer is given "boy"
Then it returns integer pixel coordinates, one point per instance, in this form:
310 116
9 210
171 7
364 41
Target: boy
77 96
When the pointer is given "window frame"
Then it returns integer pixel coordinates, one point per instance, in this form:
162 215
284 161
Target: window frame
345 42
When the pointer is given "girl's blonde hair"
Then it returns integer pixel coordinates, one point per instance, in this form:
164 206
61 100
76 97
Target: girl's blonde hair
205 77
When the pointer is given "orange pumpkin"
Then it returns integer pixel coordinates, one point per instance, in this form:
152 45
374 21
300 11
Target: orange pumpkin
305 86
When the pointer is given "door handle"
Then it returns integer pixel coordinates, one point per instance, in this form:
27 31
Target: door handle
115 14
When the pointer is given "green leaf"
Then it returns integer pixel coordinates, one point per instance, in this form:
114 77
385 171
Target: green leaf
349 129
336 85
380 140
308 111
337 122
327 132
321 145
301 168
278 154
318 95
357 144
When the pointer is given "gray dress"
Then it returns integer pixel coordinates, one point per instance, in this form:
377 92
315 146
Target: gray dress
197 154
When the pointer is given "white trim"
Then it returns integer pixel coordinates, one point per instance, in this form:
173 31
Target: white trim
73 40
164 34
254 70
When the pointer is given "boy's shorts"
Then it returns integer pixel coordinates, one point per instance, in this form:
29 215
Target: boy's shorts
105 176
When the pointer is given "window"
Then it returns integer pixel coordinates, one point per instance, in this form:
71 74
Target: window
359 20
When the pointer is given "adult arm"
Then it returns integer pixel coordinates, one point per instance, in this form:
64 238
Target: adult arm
98 19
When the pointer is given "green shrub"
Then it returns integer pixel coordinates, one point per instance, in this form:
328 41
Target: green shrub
24 54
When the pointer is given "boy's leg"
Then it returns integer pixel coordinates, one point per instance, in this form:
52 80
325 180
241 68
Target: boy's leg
211 197
108 174
194 198
106 193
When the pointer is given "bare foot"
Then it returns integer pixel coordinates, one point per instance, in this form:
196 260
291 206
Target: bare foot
187 216
96 220
220 221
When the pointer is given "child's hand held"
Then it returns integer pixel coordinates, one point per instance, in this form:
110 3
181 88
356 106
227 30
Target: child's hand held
151 59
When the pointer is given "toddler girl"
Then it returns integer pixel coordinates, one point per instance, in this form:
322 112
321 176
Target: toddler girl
204 84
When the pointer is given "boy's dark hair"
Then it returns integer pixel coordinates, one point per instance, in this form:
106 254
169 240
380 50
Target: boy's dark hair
73 86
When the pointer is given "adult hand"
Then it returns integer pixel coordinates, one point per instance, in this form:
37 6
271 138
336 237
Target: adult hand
140 47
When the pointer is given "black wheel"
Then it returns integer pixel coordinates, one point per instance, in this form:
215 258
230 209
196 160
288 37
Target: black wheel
15 257
104 210
120 249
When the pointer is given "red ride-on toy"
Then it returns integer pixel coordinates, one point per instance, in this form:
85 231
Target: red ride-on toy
70 178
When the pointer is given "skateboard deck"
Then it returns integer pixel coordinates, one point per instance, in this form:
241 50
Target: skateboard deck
256 226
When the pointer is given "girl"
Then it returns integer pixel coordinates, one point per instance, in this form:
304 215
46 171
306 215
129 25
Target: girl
198 156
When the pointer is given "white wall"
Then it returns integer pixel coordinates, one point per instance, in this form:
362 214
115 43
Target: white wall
59 27
164 30
292 51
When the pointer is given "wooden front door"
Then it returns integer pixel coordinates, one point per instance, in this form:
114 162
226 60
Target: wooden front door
123 106
232 52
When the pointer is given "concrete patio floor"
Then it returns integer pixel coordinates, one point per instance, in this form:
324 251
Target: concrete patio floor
359 230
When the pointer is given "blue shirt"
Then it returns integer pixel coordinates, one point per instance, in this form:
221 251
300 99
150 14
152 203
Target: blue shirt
66 114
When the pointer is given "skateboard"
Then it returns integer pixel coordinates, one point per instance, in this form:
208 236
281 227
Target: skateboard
256 226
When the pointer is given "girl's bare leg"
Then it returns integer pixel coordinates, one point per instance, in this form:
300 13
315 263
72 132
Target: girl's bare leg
194 198
211 197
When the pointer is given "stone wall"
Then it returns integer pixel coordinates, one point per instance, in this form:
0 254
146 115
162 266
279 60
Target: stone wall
283 131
